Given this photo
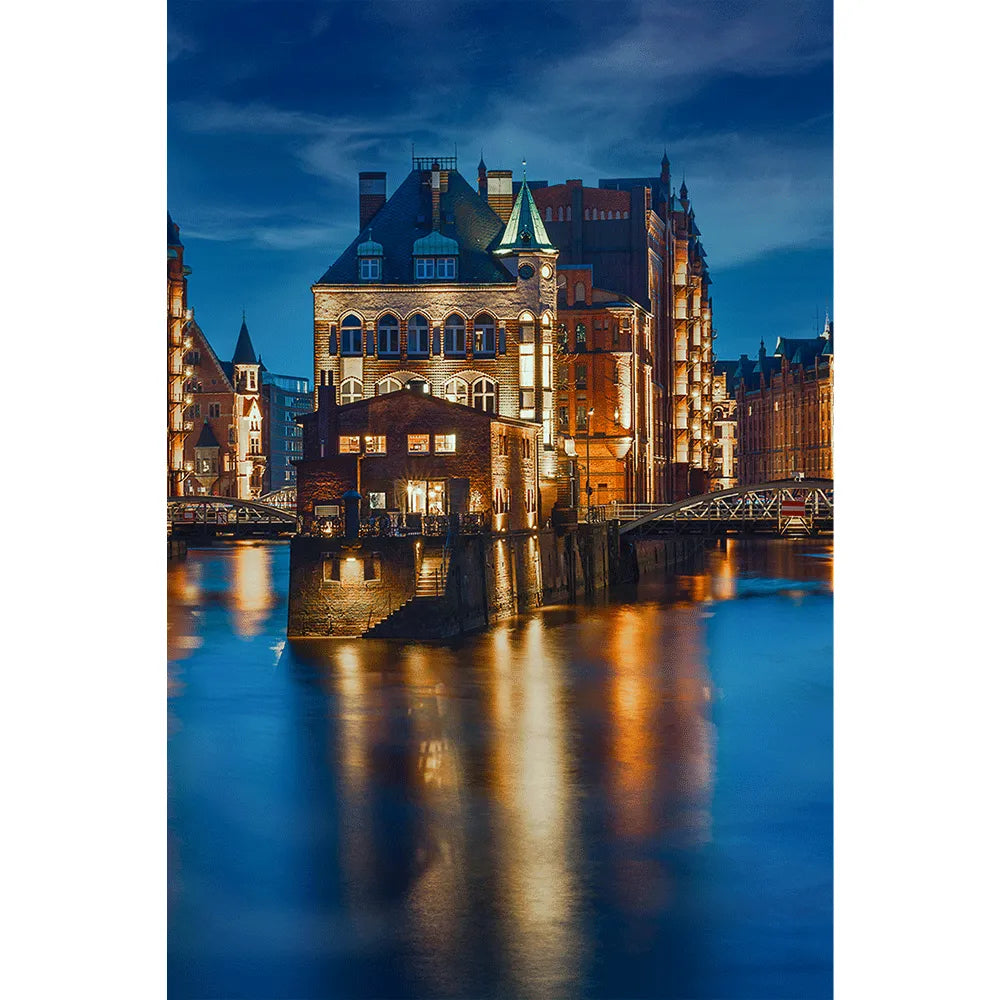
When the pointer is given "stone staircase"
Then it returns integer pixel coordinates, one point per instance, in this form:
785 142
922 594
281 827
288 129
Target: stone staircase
420 615
432 575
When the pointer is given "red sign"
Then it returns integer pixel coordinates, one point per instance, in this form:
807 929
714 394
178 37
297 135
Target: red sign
793 508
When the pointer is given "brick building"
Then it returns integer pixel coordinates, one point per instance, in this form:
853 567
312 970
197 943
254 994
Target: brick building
419 455
785 411
641 241
604 391
224 406
177 337
448 290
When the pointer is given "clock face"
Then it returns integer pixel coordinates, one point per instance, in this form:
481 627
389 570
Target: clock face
546 271
526 271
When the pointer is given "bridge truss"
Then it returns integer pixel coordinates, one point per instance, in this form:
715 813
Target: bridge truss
226 516
784 507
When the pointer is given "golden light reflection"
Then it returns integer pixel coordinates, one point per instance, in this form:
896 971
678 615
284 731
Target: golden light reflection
184 596
252 595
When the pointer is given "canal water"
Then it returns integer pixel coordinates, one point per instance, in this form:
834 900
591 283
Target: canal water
631 799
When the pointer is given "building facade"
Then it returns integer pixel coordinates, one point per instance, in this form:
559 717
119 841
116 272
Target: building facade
440 292
723 472
641 241
283 398
178 341
417 455
785 411
604 392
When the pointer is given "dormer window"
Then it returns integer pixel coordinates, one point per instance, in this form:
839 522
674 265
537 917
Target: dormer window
446 267
370 268
435 257
424 268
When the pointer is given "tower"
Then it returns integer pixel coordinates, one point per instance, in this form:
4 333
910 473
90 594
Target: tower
177 320
248 417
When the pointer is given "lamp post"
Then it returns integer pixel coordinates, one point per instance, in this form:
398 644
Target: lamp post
590 413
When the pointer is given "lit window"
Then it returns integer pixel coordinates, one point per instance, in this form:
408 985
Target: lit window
351 391
416 335
484 395
375 444
546 366
376 501
527 404
371 268
446 267
418 444
389 384
350 336
527 364
454 335
424 268
561 214
388 335
444 443
548 214
581 337
350 444
484 335
456 390
581 376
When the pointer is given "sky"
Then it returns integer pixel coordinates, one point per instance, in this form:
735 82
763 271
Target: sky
274 108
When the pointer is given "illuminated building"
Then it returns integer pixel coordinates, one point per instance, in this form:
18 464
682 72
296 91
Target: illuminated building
642 241
785 411
225 398
177 319
441 293
604 391
723 472
418 454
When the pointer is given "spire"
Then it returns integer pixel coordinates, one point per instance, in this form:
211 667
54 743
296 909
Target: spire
665 171
207 438
482 162
244 353
483 182
684 190
525 230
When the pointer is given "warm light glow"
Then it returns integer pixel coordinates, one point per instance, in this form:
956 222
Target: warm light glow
546 270
526 317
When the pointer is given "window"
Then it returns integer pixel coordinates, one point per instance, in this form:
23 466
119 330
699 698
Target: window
388 384
446 267
527 404
586 214
375 444
546 366
526 368
350 336
196 411
454 335
456 390
581 416
424 268
581 376
376 501
418 444
350 444
193 357
215 409
527 332
444 443
484 395
232 435
371 268
564 418
560 213
388 335
351 391
581 337
579 292
416 335
484 339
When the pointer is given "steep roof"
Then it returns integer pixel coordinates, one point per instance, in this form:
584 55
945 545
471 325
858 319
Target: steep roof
173 233
244 353
525 229
207 438
406 218
802 351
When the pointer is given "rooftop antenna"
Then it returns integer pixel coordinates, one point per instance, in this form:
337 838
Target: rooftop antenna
524 170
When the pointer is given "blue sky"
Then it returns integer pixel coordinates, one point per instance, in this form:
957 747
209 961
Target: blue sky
274 107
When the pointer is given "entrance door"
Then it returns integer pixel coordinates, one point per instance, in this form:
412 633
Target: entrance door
416 497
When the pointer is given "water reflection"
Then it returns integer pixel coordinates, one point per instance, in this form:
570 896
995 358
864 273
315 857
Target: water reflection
514 814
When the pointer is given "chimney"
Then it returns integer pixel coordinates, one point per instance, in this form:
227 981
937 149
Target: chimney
371 195
500 195
574 183
436 196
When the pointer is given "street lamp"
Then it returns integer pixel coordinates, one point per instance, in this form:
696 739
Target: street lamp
590 413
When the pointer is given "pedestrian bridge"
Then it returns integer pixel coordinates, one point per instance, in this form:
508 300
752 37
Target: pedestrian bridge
787 506
202 516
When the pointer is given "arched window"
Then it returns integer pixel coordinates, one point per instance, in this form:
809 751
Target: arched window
624 215
569 213
579 292
484 339
454 334
718 414
388 335
388 384
350 336
561 215
484 395
586 214
351 391
456 390
548 214
618 215
416 336
602 214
